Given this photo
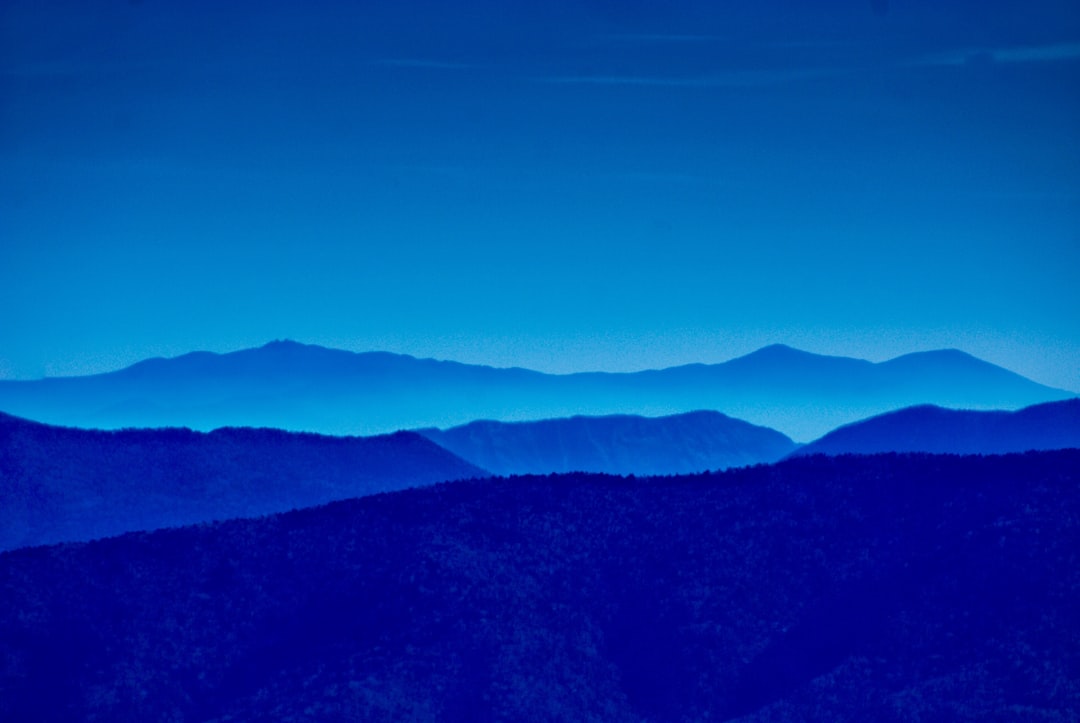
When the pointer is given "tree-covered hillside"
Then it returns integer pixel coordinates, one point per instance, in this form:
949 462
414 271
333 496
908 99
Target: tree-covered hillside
885 588
61 484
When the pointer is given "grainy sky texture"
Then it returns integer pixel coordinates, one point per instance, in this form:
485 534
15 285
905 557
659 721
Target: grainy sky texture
610 184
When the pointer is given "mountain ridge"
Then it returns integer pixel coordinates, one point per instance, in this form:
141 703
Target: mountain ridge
769 351
66 484
303 387
614 444
938 430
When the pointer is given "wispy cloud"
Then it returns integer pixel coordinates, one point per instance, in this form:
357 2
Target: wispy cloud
729 79
624 80
658 38
1015 54
423 63
756 78
73 68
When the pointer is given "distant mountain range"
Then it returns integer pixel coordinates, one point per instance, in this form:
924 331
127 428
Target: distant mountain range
1055 425
65 484
617 444
309 388
59 484
882 588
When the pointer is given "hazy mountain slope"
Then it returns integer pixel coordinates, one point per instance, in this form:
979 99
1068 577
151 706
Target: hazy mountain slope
308 388
823 588
619 444
1055 425
69 484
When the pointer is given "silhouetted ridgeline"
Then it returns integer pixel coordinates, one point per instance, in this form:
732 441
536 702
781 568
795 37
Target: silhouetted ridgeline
1055 425
618 444
885 588
59 484
301 387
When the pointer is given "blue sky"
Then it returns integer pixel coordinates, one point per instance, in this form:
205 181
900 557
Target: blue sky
559 185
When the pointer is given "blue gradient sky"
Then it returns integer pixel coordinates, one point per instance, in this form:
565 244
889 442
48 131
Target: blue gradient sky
598 184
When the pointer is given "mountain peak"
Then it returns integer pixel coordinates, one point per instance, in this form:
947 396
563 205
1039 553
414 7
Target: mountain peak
784 355
777 350
950 355
282 343
287 345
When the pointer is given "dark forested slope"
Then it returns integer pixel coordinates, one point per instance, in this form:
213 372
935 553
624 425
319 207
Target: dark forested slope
59 484
886 588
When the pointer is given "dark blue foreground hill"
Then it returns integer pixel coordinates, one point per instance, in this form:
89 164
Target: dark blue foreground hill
1055 425
616 444
887 588
60 484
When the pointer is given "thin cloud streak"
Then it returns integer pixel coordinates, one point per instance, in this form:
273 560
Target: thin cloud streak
734 79
1060 52
1018 54
423 63
658 38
